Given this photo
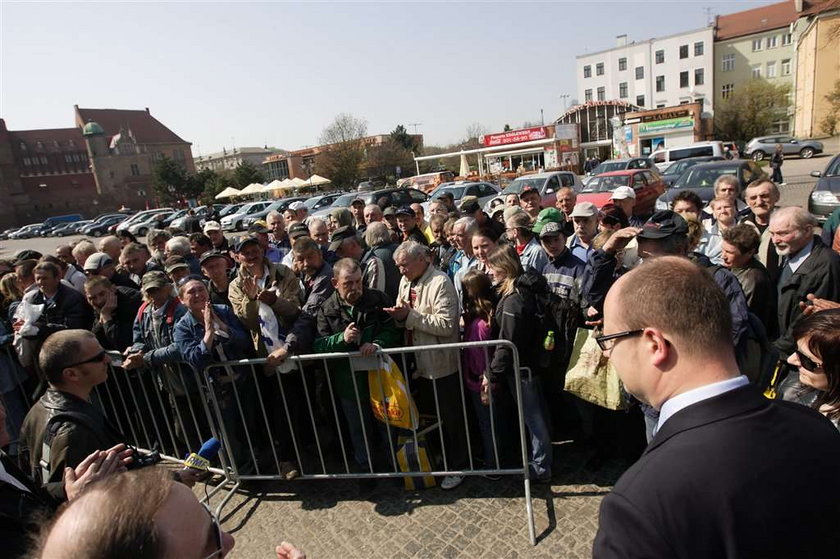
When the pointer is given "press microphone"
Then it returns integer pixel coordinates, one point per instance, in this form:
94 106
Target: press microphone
201 460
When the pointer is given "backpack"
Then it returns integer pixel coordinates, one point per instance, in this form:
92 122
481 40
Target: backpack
542 305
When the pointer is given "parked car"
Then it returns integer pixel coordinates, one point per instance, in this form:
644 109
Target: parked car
395 196
825 198
546 183
140 216
177 219
277 205
236 221
152 221
341 201
5 234
675 170
27 231
759 148
316 203
70 228
701 179
229 209
428 181
100 228
733 149
646 183
611 165
484 191
664 157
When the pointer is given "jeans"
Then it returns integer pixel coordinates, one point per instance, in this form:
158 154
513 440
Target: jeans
354 425
536 420
482 414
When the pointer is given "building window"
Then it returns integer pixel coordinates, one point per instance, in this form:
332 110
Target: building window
23 147
622 90
39 145
728 62
699 76
684 102
599 69
771 69
684 79
780 127
640 100
726 90
660 106
786 67
71 143
786 39
660 56
601 94
683 51
756 70
43 159
771 41
640 72
587 71
698 48
660 83
135 170
622 64
587 95
756 44
26 162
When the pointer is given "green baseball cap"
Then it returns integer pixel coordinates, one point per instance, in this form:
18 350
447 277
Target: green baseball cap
548 215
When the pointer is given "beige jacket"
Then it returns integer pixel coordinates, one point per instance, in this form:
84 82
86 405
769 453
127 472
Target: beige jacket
432 321
287 306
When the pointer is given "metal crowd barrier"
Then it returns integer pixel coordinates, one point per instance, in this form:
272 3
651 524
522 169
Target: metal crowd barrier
274 424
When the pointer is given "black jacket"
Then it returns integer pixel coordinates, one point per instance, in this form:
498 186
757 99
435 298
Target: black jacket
74 440
117 333
68 310
21 512
734 476
416 235
818 274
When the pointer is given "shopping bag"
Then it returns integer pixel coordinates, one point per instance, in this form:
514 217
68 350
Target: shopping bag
389 397
414 458
25 341
273 335
591 376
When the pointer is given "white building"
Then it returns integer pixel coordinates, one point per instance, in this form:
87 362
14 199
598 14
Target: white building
663 72
229 159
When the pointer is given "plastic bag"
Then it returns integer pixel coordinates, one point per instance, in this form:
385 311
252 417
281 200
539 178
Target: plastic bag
25 346
591 376
273 336
389 398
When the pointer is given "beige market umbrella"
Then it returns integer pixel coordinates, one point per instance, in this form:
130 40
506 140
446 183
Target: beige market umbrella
317 180
465 166
253 188
272 186
228 192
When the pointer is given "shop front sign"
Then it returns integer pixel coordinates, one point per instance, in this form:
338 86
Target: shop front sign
514 136
666 125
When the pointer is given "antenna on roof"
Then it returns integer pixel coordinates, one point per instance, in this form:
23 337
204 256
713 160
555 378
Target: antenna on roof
415 125
709 19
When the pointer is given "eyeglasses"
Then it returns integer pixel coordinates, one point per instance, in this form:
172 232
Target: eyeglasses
807 363
98 358
217 533
602 340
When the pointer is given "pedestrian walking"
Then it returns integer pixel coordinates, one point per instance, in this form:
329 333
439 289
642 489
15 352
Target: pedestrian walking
776 164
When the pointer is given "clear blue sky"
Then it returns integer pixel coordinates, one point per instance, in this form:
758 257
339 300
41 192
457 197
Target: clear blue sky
279 73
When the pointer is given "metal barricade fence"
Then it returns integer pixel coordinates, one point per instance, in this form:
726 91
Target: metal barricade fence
275 424
164 408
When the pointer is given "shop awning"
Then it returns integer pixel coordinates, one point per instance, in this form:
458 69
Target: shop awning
538 149
493 149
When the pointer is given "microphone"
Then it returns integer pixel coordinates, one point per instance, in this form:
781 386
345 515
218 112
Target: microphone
201 460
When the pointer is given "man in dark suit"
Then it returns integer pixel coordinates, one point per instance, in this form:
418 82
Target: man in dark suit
728 474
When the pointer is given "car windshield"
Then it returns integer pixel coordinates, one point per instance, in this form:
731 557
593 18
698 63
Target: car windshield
344 200
605 184
703 177
516 186
834 168
456 191
311 202
609 167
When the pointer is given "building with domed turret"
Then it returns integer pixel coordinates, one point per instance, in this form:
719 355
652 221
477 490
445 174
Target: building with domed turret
101 164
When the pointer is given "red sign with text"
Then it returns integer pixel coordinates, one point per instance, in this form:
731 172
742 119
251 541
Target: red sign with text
514 136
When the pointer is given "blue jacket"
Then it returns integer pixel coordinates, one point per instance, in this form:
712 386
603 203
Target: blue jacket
189 334
565 276
158 346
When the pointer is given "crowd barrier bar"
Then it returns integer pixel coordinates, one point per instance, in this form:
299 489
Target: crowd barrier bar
239 418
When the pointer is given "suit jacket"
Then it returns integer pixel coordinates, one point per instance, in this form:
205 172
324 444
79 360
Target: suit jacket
734 476
68 310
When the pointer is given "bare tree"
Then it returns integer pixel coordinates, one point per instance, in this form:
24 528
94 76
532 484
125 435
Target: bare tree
345 153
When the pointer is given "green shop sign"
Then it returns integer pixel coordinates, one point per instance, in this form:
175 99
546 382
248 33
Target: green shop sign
663 125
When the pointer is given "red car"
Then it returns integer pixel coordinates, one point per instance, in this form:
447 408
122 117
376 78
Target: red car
647 184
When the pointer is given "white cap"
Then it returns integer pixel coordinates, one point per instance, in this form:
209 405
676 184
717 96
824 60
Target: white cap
622 193
212 226
297 206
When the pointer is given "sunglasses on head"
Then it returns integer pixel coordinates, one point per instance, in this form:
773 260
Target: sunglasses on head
807 363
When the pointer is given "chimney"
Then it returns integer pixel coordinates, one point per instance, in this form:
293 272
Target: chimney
147 110
797 5
621 40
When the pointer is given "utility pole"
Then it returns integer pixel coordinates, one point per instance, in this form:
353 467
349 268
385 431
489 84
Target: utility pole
415 125
542 117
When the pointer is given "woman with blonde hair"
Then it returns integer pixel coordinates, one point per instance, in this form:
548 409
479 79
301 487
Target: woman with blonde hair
10 295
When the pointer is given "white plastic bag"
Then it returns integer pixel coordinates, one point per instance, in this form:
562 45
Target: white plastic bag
23 343
273 335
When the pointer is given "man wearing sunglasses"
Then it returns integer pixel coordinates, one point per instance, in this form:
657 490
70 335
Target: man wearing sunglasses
63 427
728 473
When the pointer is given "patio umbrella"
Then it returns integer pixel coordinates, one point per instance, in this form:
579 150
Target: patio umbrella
228 192
253 188
465 166
317 180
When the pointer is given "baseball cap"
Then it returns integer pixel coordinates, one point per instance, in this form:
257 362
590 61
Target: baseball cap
27 254
390 210
406 210
446 194
511 211
622 193
469 204
97 261
297 206
552 229
546 216
527 189
211 226
258 226
298 230
174 263
211 254
662 224
357 201
244 240
339 235
584 209
154 280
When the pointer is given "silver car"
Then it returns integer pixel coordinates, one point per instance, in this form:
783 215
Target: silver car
759 148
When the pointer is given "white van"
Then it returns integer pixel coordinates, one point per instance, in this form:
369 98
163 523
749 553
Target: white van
664 157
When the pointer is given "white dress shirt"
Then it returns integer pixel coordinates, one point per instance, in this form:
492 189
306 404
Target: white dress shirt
686 399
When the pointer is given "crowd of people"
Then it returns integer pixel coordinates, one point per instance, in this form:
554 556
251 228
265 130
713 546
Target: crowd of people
371 277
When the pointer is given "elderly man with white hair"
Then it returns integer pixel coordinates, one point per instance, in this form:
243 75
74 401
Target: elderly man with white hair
180 246
806 266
